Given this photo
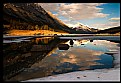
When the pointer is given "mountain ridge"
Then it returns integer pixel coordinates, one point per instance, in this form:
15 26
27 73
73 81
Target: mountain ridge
27 15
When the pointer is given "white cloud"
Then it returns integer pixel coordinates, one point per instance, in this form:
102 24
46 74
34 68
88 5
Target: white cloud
49 6
55 15
115 19
106 25
77 11
114 22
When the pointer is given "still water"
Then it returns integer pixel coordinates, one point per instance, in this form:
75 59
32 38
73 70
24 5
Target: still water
42 57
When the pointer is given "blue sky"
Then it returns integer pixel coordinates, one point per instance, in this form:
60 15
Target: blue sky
94 15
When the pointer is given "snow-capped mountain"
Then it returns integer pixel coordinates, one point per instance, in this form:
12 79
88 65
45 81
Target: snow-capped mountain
81 27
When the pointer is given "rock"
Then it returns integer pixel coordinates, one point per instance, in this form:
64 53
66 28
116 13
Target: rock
91 40
63 46
71 42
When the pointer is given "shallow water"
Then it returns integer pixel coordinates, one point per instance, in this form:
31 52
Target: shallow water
41 57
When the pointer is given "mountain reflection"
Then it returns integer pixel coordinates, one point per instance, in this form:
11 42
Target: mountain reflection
18 56
44 40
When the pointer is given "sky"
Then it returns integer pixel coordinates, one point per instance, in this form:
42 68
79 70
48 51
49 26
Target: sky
93 15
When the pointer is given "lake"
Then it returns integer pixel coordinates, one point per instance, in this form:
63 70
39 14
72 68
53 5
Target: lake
30 58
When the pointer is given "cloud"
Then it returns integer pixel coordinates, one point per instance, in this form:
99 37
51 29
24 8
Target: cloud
77 11
115 19
74 12
80 11
106 25
55 15
49 6
113 22
76 55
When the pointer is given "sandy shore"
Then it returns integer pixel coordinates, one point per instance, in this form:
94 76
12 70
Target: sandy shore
112 74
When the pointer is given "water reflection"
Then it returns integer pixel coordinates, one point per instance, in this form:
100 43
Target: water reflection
66 46
41 57
44 40
63 46
18 56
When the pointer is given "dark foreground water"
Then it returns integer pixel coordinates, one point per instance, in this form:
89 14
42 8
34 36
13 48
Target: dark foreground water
40 57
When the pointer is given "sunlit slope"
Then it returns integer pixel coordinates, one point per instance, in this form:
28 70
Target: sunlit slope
30 16
35 32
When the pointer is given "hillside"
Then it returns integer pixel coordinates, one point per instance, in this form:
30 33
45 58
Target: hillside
113 30
30 16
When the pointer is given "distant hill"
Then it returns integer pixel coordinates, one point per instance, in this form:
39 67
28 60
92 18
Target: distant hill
113 30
